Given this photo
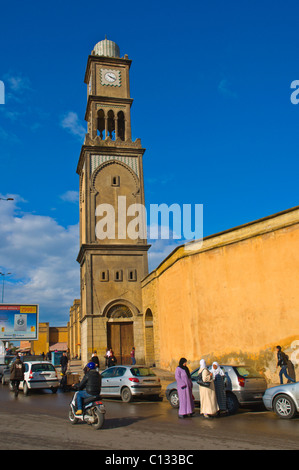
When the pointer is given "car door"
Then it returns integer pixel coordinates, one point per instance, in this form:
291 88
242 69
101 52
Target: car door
106 381
116 381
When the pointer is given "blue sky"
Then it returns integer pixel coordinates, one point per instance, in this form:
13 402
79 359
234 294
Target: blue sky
211 89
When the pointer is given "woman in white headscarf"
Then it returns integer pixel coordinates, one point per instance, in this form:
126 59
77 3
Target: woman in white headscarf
208 400
219 377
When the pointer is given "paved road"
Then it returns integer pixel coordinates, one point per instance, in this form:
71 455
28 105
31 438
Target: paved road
40 422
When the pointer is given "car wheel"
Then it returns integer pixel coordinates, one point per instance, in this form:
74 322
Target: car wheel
126 395
174 399
25 389
284 407
232 403
54 390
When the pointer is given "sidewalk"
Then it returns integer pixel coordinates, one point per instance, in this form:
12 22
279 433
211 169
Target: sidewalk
165 376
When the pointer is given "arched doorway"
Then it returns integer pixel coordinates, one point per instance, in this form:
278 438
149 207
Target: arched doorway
149 337
120 334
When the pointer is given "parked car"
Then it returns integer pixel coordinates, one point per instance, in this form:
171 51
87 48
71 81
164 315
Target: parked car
38 375
127 382
244 386
283 399
7 360
6 368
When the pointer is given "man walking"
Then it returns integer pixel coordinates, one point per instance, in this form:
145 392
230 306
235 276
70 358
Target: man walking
64 362
282 359
17 370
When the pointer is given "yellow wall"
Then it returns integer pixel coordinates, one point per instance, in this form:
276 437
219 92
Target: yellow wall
47 336
42 344
233 299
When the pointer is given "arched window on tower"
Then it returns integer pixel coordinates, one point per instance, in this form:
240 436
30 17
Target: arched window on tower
111 125
101 124
121 125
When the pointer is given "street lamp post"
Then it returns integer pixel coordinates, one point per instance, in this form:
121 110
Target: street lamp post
3 275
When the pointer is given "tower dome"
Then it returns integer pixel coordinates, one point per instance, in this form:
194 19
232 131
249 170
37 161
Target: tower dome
106 48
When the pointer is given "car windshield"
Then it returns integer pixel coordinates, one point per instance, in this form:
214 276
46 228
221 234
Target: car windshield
142 372
247 372
42 368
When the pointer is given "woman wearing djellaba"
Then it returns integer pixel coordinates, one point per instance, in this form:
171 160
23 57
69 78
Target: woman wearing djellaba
184 387
208 401
219 382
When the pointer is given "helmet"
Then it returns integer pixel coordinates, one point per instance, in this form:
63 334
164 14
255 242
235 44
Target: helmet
91 365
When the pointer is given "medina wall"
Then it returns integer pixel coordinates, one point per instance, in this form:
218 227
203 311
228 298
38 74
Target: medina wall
232 300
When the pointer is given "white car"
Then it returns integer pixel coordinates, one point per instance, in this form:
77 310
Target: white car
39 375
128 382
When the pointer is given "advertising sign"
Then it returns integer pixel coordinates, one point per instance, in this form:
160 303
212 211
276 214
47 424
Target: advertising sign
18 322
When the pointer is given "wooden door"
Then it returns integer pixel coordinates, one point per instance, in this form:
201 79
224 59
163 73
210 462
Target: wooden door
121 340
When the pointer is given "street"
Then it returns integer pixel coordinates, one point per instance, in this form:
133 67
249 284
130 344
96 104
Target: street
40 422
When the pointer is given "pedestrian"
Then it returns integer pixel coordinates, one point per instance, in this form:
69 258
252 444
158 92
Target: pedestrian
112 359
133 360
64 363
282 361
208 401
219 383
17 370
184 387
95 359
107 357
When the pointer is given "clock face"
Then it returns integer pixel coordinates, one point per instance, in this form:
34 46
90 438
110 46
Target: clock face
110 77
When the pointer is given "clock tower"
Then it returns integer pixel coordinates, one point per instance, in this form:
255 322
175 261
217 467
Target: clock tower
113 259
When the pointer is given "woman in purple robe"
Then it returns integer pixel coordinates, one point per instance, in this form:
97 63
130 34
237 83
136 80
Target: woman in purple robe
184 387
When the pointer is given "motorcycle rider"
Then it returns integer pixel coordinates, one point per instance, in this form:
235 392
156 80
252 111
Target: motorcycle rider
89 386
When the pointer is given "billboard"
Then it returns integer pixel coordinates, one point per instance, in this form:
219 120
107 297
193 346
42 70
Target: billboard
18 322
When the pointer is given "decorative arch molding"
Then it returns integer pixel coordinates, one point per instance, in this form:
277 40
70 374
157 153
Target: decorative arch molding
149 337
114 162
120 308
148 314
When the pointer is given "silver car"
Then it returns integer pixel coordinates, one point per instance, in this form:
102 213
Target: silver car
244 386
283 399
127 382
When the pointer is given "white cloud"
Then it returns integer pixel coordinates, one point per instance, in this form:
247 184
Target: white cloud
71 123
70 196
162 246
41 255
159 250
225 89
18 83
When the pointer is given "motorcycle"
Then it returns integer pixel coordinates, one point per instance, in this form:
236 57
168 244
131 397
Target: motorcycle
93 412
